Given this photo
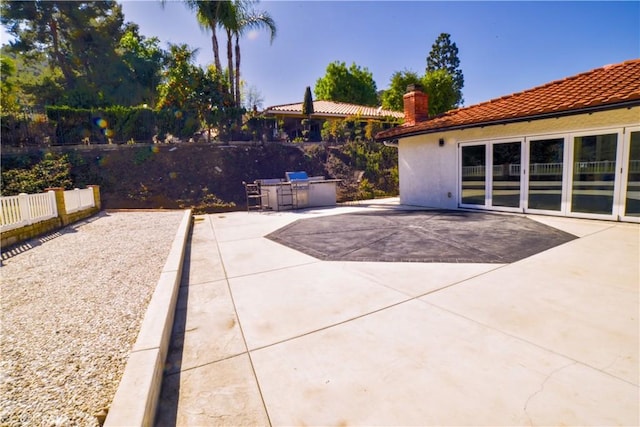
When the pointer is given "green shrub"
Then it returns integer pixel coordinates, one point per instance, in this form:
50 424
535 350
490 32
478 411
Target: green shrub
52 171
117 123
72 125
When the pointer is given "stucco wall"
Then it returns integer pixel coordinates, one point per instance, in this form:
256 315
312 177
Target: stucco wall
428 172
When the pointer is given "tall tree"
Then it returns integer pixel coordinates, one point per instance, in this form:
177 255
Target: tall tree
8 100
191 96
444 56
307 103
38 28
78 39
307 110
392 97
215 106
442 91
235 17
144 61
75 36
353 85
209 14
249 19
229 21
178 94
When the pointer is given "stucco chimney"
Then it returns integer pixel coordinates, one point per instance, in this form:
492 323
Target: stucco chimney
416 105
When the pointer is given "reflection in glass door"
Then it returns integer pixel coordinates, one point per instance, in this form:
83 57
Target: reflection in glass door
505 189
473 174
594 164
545 174
632 196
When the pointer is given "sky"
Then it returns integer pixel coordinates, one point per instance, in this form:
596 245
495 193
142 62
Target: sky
504 47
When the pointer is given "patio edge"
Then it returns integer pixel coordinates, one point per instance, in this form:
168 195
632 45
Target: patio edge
136 398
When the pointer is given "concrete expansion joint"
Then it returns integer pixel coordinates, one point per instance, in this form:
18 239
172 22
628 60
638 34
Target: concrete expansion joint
459 282
261 272
213 362
239 323
333 325
404 301
519 338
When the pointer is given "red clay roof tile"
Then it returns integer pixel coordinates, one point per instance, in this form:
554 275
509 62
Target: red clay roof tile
338 109
601 87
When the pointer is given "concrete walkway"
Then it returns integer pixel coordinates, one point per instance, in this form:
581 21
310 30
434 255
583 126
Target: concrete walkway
266 335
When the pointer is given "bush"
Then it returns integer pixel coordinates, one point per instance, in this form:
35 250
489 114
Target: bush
51 171
112 124
177 123
19 130
72 124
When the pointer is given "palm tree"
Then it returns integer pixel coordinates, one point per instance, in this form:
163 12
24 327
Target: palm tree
229 21
250 20
209 15
237 19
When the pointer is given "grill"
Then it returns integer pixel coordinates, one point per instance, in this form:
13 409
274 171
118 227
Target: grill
299 187
296 190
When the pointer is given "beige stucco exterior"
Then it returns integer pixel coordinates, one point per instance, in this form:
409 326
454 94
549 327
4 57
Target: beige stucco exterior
429 172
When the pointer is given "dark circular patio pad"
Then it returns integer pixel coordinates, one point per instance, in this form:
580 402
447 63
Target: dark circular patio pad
420 236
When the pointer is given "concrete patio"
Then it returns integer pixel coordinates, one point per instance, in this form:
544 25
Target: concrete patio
267 335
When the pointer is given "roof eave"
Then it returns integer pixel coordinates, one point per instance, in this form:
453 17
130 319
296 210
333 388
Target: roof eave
593 109
320 115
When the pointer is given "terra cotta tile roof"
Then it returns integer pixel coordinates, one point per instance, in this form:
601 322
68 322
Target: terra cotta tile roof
337 109
605 87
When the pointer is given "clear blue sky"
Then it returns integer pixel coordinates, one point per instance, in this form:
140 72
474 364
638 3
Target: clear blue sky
504 47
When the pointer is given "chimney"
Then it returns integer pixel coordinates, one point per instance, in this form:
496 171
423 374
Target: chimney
416 105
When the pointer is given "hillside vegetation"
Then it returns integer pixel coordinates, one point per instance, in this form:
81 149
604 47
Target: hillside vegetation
206 177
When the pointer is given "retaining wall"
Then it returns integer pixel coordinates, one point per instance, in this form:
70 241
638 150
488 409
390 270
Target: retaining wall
63 219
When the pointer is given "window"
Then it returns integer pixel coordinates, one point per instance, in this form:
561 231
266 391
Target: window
473 174
545 174
594 165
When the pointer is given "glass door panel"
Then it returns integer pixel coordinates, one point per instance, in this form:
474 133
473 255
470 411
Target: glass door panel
505 190
473 175
545 174
594 164
632 197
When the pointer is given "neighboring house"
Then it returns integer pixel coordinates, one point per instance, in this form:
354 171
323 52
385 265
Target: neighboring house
288 117
570 148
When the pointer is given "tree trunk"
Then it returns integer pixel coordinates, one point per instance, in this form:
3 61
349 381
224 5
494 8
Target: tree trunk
62 63
216 50
238 100
230 65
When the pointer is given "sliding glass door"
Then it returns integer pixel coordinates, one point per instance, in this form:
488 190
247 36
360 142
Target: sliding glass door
473 175
505 182
594 174
546 166
587 175
631 184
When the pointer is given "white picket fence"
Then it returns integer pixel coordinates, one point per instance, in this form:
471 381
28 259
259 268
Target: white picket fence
77 200
25 209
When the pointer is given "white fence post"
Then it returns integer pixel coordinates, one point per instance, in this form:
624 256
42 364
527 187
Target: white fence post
76 191
52 201
25 212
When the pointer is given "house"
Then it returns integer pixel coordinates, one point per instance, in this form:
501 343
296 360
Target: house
289 125
570 148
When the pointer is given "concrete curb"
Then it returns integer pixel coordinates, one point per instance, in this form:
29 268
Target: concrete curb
137 396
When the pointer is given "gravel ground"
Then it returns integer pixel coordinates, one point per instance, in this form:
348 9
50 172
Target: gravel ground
71 307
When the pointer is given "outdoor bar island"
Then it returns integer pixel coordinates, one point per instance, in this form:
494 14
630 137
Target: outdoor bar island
298 191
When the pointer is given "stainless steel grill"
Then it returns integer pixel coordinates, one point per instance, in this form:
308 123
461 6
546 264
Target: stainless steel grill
299 187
